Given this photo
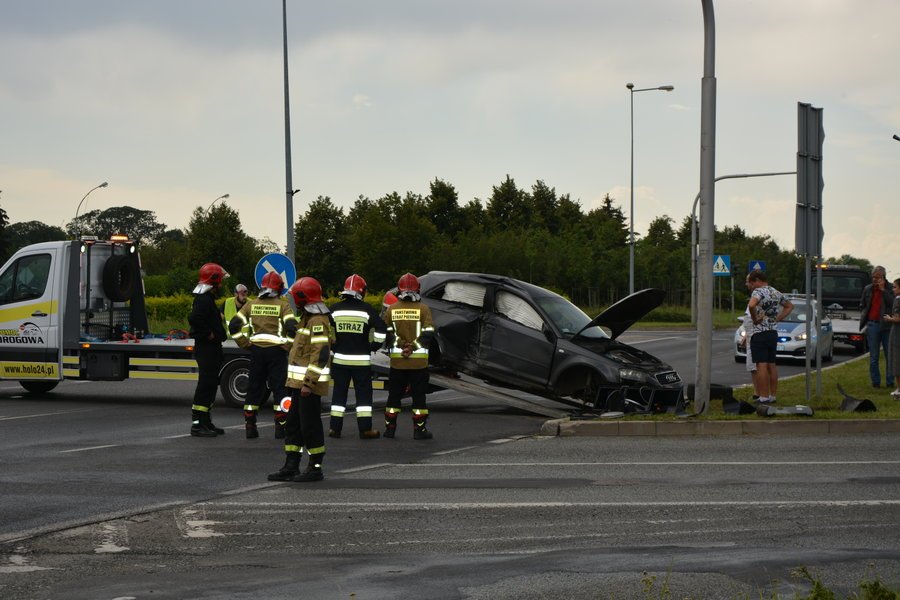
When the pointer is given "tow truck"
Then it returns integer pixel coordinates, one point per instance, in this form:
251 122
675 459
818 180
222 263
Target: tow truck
76 310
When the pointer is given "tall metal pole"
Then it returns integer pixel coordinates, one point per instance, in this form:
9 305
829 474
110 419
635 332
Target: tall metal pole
102 185
707 211
289 185
630 87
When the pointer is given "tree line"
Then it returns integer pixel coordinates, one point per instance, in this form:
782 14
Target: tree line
536 235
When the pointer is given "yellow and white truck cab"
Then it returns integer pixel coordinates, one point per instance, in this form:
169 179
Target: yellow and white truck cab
75 310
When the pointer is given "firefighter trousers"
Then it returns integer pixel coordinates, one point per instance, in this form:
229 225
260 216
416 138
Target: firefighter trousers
267 365
342 375
304 426
209 359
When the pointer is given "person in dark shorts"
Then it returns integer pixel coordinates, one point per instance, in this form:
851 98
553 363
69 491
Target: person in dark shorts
767 307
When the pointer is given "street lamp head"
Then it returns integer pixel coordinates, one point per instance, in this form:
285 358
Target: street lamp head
666 88
630 86
897 137
104 184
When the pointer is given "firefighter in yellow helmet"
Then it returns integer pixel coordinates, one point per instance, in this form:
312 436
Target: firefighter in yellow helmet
268 324
409 332
307 379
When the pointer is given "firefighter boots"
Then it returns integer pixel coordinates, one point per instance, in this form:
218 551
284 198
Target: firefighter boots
212 426
421 434
199 426
250 424
334 433
290 469
312 473
279 431
369 434
390 421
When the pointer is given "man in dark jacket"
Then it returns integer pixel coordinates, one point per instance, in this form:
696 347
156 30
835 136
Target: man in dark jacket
877 300
208 332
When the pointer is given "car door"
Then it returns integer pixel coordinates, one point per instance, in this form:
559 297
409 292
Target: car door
514 347
29 319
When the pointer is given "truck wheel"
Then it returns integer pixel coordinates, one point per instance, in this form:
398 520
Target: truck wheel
120 277
233 381
38 387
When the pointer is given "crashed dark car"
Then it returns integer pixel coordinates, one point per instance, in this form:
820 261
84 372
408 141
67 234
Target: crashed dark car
516 334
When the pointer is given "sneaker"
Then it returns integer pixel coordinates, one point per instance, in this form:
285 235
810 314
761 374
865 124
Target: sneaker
333 433
310 474
371 434
390 432
422 434
896 394
202 431
767 400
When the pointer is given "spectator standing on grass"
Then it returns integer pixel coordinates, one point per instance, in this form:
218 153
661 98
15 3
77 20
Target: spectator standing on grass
767 307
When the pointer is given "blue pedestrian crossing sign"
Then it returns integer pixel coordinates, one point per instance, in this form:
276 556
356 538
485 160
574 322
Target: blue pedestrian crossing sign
722 265
277 263
756 265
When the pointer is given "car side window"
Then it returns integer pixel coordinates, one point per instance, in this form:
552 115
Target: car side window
517 309
464 292
25 279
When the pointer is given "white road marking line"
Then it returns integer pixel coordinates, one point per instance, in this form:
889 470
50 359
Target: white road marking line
90 448
35 416
651 464
364 468
392 506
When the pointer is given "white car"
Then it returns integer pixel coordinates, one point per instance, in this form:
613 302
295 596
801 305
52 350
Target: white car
792 335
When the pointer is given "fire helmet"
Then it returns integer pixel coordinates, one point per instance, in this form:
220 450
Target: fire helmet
273 281
306 291
355 286
408 283
212 274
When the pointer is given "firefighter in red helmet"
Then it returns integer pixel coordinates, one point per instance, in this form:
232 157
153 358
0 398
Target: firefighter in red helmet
358 331
307 379
208 331
409 332
267 325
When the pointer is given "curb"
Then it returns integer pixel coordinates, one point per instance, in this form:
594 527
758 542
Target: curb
598 428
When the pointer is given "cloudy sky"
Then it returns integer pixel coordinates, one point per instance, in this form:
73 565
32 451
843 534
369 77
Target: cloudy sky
176 102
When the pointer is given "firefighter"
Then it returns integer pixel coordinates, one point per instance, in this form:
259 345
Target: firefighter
354 320
409 333
232 305
307 379
208 333
269 325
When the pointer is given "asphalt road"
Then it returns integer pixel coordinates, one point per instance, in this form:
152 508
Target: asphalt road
106 496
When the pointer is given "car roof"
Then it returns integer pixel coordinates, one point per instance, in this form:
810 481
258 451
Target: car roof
433 279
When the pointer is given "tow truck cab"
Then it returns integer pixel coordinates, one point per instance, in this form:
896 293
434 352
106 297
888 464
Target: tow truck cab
75 310
842 288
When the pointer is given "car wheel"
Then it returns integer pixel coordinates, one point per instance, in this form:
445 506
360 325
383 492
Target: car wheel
233 381
830 356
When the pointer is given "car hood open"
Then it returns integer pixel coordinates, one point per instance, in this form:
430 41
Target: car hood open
624 313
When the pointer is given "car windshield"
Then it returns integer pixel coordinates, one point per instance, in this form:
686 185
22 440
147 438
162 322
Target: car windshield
799 314
568 318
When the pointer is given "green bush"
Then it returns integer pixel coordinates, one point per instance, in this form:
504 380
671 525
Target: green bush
169 308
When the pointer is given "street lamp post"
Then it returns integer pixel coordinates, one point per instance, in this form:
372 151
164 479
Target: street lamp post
102 185
222 197
630 86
